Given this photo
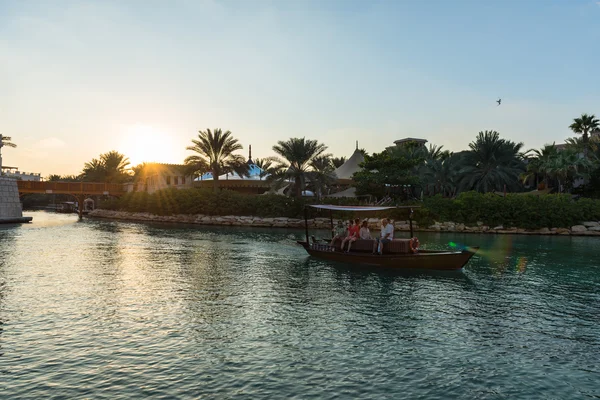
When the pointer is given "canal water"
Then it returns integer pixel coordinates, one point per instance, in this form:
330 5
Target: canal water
102 309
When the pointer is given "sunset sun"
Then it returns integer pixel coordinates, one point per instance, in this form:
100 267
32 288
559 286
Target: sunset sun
145 143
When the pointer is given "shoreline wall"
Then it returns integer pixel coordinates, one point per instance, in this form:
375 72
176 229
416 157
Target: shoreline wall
10 205
589 228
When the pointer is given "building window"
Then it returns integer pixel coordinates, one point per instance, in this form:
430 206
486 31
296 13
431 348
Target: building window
176 180
183 180
168 180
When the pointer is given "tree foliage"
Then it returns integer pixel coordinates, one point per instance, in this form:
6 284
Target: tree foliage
387 171
491 163
111 167
295 161
585 125
215 154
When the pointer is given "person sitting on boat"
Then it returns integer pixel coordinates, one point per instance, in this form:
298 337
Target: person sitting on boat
339 232
387 234
353 234
364 232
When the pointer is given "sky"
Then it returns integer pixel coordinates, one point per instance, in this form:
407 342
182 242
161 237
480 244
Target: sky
80 78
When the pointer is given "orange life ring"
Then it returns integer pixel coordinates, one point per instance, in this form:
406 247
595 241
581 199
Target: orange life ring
414 245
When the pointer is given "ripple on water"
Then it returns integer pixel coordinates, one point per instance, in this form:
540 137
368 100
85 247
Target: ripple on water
103 309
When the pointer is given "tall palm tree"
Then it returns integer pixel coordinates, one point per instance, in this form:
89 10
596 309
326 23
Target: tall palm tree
492 163
435 152
116 166
111 167
440 175
94 171
585 125
297 155
539 162
322 174
215 154
5 141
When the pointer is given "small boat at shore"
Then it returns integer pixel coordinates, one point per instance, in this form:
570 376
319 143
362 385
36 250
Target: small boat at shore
399 253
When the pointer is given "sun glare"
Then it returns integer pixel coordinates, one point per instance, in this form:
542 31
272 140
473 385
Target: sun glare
144 143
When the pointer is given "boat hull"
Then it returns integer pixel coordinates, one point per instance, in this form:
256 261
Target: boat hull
429 260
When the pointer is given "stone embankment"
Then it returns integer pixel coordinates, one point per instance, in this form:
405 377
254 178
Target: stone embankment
591 228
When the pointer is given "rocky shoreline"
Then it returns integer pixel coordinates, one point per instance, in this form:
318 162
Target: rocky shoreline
588 228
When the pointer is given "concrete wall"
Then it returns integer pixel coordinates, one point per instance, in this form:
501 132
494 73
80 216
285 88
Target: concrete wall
10 205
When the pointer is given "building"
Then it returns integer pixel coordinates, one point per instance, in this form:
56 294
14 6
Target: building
156 176
406 141
254 183
13 172
345 171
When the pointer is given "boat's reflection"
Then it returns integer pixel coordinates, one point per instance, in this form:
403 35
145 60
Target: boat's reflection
358 270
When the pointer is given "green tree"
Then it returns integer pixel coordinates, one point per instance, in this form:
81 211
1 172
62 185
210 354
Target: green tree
539 163
94 171
382 172
566 166
110 167
439 175
491 163
116 167
338 161
266 166
62 178
296 155
214 154
585 125
322 174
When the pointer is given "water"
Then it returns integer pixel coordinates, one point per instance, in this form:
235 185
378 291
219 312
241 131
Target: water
100 309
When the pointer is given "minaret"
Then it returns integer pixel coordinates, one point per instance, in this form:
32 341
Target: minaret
250 155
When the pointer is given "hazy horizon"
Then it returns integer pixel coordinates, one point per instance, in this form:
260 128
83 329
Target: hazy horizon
81 78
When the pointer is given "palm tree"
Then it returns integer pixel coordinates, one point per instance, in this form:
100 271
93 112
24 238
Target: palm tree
577 143
94 171
440 175
111 167
5 141
115 165
215 154
539 163
585 125
322 174
492 163
297 154
338 161
567 166
265 165
435 152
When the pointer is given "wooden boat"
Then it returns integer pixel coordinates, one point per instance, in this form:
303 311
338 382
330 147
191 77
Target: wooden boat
421 259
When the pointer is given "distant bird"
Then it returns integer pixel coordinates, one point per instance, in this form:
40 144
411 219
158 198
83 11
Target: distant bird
499 101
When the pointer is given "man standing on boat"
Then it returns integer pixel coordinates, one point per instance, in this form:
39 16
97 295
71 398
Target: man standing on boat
387 234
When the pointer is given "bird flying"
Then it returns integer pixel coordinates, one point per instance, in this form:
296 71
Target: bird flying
499 101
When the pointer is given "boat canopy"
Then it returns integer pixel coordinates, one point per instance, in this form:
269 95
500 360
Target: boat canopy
356 208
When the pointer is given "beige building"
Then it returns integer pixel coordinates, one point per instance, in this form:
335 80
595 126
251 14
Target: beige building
13 172
155 176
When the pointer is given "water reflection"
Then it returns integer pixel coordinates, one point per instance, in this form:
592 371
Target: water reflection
137 310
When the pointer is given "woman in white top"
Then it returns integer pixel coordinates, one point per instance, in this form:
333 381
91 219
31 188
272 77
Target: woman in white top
365 233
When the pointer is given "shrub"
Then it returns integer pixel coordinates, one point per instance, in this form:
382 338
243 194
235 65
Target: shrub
522 211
